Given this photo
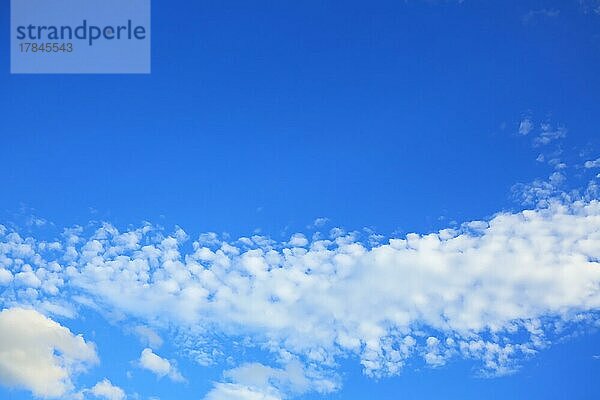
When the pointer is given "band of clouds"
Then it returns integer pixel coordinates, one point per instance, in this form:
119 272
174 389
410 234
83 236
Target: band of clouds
495 291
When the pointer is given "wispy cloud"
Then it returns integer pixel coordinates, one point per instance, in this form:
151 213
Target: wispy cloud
525 126
549 133
543 133
590 6
258 381
541 13
148 336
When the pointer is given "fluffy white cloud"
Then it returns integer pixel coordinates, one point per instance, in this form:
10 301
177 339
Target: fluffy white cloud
298 240
106 390
40 355
159 366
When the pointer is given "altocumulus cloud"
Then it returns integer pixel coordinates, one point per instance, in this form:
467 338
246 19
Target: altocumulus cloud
495 291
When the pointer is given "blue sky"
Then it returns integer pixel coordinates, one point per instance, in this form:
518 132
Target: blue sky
235 223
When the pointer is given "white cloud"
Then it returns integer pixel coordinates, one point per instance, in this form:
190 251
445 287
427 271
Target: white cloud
40 355
5 276
231 391
148 336
590 6
339 296
545 133
36 221
258 381
159 366
106 390
549 134
28 278
298 240
540 191
432 355
318 223
592 163
541 13
493 291
525 126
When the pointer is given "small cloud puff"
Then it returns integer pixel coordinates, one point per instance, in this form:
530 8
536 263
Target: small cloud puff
592 163
159 366
298 240
106 390
318 223
525 126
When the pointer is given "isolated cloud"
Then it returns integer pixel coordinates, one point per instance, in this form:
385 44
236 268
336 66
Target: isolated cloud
40 355
318 223
541 13
106 390
159 366
525 126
